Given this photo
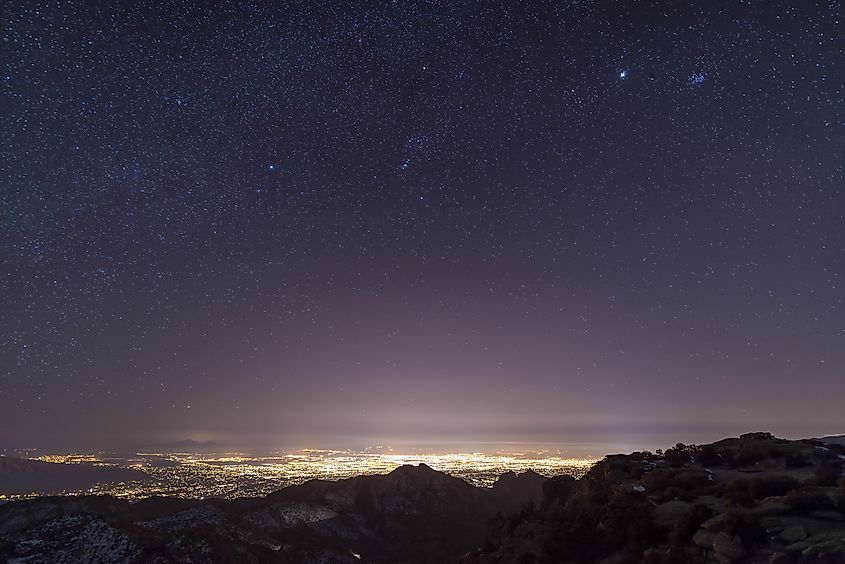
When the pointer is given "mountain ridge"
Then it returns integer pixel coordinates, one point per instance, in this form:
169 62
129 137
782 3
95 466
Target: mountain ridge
412 514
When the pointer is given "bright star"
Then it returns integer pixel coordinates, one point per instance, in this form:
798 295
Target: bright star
623 75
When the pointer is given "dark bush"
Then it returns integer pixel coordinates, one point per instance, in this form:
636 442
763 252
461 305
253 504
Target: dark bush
836 448
556 492
749 456
592 528
667 483
512 521
746 491
708 456
693 481
746 527
773 485
679 455
828 472
840 495
691 521
737 492
797 460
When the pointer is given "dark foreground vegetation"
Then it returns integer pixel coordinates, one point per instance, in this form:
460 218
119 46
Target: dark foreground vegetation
755 498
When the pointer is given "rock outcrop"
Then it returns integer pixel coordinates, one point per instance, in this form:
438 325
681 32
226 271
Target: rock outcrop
755 498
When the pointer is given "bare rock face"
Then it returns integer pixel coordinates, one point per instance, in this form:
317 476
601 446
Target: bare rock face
704 538
729 546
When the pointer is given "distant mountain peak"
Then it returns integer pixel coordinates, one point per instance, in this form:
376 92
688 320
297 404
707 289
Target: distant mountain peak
190 443
414 469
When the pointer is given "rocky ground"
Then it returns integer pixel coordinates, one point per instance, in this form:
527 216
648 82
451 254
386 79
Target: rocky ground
755 499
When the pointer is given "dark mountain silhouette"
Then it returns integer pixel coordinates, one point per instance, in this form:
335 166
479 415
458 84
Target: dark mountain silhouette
189 445
21 475
413 514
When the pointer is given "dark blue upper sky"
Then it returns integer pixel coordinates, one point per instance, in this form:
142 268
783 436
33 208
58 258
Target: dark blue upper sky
320 223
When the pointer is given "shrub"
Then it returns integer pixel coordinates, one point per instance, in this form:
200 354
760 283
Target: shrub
797 460
737 492
526 513
691 521
744 491
747 528
679 455
589 530
708 456
556 492
748 456
837 449
828 472
773 485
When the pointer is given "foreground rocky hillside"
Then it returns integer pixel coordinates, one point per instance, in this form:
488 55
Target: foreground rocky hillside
413 514
755 499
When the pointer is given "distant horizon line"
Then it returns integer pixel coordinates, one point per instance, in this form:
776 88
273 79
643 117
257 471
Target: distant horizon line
396 446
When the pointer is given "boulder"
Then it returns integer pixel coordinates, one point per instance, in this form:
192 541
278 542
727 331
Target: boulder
824 550
793 534
827 515
773 525
728 546
704 538
770 507
715 522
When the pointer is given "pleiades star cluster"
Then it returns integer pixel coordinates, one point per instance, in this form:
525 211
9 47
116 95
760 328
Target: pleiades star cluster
326 221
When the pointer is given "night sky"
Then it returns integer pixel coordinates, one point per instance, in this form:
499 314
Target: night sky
418 222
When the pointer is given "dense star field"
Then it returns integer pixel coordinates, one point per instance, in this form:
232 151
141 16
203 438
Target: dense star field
323 224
